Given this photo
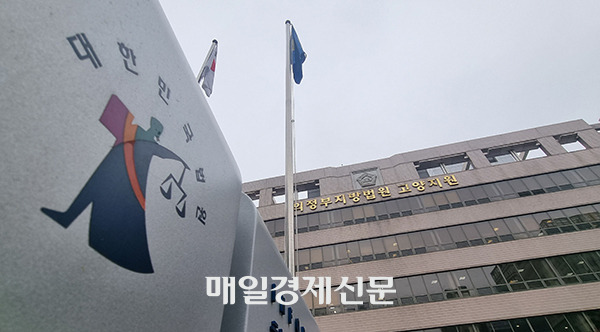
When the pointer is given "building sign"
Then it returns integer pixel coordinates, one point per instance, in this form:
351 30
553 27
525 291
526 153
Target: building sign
375 194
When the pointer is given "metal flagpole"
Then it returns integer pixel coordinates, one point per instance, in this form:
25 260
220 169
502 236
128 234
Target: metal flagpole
289 155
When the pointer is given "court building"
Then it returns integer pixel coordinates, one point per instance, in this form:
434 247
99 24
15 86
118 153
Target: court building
500 233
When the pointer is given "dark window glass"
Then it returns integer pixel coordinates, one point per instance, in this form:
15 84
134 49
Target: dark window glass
478 277
466 196
559 322
369 212
501 326
366 250
464 282
531 184
514 225
403 290
572 176
561 266
577 264
540 324
415 204
353 252
392 208
328 254
578 322
429 238
518 185
418 287
543 268
434 287
490 190
316 257
520 325
526 270
313 221
587 175
323 220
342 253
594 317
302 223
304 259
403 242
593 260
442 235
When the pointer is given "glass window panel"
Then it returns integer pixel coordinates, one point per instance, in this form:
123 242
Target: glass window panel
271 227
457 234
490 190
540 324
577 263
588 213
427 201
518 185
495 274
403 242
416 240
432 283
402 287
378 247
499 227
578 322
559 322
440 199
545 181
392 208
323 220
471 232
279 223
478 277
505 189
478 192
328 253
347 214
501 326
485 229
336 217
587 174
594 317
369 212
380 209
303 257
561 266
341 252
465 194
463 281
558 178
531 184
446 281
429 238
510 272
404 205
358 213
452 196
352 250
543 268
442 235
572 176
302 221
316 255
514 225
526 271
313 220
390 243
530 223
415 204
520 325
593 260
417 285
365 247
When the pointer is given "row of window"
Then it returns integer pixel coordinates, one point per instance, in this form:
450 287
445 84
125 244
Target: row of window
446 238
585 321
456 198
478 281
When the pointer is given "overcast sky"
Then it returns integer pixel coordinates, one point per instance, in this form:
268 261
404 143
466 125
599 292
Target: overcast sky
386 77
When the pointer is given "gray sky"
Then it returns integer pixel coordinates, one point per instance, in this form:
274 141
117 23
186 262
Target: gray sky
385 77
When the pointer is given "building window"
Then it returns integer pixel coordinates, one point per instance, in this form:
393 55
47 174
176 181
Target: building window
447 165
303 191
255 197
570 142
500 278
509 154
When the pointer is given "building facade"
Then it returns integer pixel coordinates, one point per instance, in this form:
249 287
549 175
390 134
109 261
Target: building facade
493 234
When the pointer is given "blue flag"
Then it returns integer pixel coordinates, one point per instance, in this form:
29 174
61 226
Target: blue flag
297 56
